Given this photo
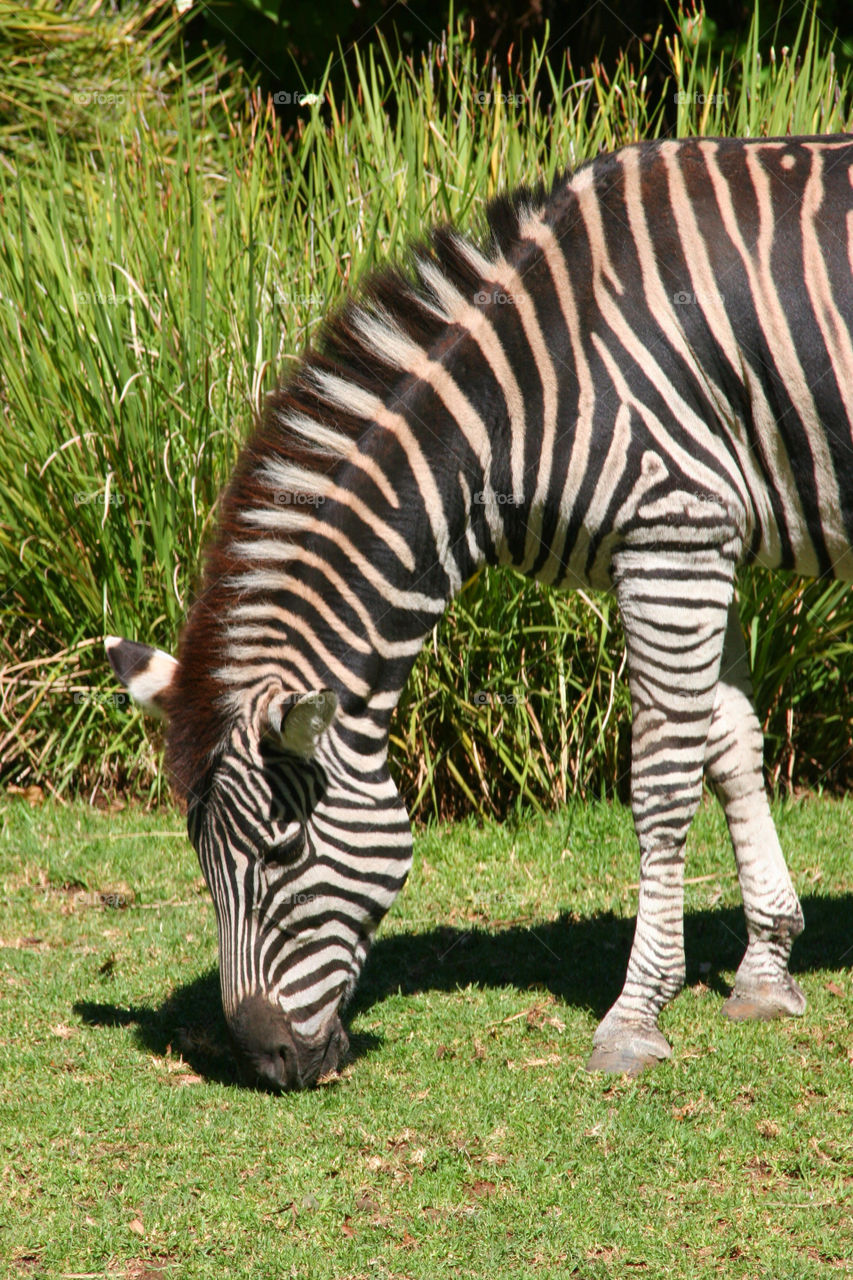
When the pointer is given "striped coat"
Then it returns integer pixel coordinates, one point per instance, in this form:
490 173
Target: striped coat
641 380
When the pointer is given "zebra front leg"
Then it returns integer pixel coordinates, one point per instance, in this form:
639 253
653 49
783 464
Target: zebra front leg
673 606
628 1038
733 760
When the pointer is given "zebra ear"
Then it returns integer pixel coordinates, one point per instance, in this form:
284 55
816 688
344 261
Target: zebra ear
299 720
145 672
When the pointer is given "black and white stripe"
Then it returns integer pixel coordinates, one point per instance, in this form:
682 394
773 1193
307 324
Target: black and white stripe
642 380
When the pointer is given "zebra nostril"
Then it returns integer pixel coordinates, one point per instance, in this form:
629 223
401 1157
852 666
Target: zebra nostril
287 1067
262 1070
261 1039
274 1055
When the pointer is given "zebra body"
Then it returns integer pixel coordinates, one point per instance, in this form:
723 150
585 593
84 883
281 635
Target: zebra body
644 380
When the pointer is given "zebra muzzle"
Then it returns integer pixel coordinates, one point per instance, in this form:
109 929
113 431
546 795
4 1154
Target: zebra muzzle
271 1054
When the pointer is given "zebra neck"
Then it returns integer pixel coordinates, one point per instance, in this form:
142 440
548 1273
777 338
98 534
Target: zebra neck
387 559
342 591
386 474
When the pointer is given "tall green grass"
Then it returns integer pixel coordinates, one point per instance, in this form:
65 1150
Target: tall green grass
164 258
65 66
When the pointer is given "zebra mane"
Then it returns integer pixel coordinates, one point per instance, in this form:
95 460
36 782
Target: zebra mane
311 423
396 301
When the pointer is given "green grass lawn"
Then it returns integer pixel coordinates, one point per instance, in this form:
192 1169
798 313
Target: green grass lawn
465 1137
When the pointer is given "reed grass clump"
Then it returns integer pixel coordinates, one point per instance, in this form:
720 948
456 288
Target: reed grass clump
169 246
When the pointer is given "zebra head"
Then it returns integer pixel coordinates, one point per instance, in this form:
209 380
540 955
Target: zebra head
302 858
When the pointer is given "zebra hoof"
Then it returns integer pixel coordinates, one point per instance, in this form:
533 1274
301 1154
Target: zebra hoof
781 1001
629 1051
616 1062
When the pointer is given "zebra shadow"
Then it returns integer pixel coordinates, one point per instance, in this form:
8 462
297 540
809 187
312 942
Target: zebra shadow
583 962
580 962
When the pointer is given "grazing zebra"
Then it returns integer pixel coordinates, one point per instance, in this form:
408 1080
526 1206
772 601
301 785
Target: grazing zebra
641 381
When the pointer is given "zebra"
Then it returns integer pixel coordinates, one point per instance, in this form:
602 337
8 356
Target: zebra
638 380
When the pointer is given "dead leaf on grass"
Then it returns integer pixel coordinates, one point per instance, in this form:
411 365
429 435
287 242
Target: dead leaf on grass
601 1253
33 794
146 1269
552 1060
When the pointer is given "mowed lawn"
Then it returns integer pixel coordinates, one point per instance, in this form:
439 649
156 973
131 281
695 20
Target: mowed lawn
465 1138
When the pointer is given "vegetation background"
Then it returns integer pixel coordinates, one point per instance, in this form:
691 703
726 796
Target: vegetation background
186 190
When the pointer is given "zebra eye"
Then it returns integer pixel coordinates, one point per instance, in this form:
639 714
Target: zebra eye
286 842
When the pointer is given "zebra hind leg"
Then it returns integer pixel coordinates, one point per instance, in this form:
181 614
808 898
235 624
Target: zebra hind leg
673 604
733 760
